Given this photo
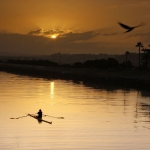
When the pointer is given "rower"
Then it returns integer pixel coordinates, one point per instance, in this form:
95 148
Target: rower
39 114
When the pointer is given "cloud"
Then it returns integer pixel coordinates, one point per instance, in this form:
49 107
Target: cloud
66 35
110 34
51 32
67 42
141 37
140 4
23 44
36 32
76 37
41 45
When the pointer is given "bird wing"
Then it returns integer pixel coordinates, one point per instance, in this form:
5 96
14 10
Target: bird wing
141 24
124 26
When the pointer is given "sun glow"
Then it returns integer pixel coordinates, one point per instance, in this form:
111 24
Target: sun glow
53 36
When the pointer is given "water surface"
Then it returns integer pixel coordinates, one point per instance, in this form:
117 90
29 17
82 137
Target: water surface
94 118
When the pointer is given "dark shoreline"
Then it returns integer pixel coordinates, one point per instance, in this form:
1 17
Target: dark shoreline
134 79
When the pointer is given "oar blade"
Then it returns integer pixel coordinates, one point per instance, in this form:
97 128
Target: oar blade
60 117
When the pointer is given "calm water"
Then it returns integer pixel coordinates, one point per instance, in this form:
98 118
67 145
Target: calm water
94 118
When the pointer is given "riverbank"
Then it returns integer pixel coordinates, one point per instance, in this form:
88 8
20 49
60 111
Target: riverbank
125 78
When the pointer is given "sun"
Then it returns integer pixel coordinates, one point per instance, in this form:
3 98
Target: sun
53 36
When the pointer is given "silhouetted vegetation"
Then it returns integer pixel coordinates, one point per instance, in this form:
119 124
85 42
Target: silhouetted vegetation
125 65
102 63
109 63
33 62
78 65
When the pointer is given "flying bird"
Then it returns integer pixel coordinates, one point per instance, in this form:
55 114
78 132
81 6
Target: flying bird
128 28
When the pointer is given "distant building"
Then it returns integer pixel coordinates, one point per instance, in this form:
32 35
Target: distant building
146 58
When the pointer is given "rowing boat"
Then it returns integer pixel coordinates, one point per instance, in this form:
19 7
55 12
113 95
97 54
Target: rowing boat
39 119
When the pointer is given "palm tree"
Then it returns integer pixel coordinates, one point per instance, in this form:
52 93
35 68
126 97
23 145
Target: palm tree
139 44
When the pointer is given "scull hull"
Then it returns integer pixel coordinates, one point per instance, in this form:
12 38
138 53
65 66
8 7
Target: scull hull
40 119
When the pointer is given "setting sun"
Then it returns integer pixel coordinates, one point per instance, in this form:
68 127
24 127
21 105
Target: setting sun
53 36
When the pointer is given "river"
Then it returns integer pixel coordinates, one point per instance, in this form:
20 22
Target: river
83 117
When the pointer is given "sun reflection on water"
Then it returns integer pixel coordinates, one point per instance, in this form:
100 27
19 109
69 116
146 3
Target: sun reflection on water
52 92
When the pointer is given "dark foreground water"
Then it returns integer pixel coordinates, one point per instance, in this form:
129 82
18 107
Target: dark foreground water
94 118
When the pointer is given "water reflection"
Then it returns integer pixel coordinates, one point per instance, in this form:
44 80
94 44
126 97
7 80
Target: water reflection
140 104
145 93
95 118
51 89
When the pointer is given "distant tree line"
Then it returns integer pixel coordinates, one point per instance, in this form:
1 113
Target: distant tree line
109 63
33 62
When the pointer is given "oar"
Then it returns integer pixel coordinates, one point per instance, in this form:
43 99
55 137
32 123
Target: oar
19 117
54 117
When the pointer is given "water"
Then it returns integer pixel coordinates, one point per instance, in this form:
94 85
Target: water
94 118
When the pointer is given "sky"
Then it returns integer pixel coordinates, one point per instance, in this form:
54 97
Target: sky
43 27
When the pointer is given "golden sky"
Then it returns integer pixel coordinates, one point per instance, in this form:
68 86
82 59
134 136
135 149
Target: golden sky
72 26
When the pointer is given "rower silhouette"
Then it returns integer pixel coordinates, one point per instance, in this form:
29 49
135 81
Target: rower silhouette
128 28
39 114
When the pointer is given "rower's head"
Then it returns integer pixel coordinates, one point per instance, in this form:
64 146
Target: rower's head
40 110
